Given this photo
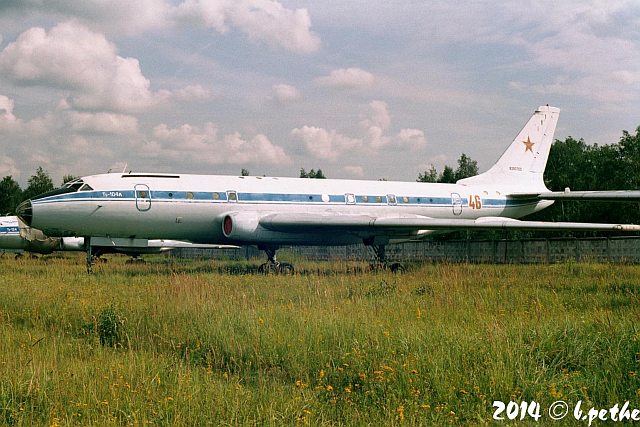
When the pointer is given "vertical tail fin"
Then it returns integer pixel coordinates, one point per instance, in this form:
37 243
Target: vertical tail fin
523 163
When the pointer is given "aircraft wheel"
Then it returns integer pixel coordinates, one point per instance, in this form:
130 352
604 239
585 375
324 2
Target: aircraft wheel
397 267
285 268
268 268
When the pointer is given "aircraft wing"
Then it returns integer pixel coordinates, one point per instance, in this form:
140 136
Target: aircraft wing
301 223
613 195
626 196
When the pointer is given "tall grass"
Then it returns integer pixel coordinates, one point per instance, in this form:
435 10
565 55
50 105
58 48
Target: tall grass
187 343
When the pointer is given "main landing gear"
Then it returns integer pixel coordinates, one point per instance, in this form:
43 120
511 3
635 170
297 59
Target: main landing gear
381 263
273 265
94 254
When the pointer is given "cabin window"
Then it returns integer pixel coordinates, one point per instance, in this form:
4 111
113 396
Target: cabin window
405 199
378 199
350 199
391 199
216 196
232 196
189 195
365 199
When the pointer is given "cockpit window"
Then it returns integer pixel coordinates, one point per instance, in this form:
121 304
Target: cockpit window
77 185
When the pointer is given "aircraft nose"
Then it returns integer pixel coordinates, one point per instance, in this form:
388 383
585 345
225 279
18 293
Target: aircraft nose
25 212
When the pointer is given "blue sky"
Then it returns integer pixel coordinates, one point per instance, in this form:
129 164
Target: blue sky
359 89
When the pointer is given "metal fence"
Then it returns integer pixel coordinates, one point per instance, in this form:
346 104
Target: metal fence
621 249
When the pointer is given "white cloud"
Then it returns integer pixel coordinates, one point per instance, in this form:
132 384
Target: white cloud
6 109
84 63
331 145
286 94
102 123
378 116
8 167
74 58
348 78
77 145
115 16
260 20
205 146
63 120
414 137
324 144
192 93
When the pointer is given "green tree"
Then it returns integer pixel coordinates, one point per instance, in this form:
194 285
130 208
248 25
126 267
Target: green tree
430 175
312 174
39 183
565 166
466 167
10 195
630 159
448 176
68 178
244 172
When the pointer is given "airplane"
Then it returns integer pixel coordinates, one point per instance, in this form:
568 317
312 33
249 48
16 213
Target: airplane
271 212
15 235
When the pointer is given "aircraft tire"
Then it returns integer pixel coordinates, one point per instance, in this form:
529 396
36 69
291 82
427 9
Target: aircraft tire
397 267
286 268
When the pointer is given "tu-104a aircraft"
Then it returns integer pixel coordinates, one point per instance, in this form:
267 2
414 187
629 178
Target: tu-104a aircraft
273 212
15 235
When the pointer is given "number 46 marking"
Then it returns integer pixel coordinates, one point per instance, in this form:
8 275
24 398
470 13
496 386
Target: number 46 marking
475 202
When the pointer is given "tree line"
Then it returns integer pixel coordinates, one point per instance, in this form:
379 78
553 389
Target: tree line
11 194
572 163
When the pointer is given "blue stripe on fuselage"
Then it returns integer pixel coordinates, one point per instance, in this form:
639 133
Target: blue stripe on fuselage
221 196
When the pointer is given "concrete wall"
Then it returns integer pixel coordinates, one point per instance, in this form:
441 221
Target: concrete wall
622 249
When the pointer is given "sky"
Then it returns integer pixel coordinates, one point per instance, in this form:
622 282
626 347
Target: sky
360 89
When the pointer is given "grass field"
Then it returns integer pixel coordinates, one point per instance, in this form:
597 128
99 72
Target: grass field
186 343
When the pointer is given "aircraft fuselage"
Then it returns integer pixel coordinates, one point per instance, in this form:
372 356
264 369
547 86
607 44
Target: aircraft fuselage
194 207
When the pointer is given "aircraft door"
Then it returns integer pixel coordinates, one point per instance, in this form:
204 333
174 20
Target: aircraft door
456 202
143 197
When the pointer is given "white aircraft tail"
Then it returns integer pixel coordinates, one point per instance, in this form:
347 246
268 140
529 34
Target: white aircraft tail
522 164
